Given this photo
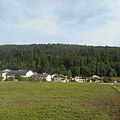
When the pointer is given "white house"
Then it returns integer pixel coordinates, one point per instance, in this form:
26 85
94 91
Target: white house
59 78
43 76
11 73
95 77
23 73
79 79
48 78
26 73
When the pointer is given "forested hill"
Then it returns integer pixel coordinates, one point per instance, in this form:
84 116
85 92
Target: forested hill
60 58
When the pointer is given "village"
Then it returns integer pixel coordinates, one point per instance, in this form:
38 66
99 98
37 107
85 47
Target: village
15 75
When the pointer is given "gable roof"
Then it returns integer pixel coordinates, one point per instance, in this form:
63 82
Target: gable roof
60 76
23 72
14 72
43 75
1 72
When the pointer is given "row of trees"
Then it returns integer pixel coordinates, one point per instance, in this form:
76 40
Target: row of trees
59 58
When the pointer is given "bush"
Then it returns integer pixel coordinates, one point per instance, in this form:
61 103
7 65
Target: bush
18 77
107 79
44 80
1 78
10 79
31 79
23 79
27 79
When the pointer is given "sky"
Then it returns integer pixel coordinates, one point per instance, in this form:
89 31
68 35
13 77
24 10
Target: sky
84 22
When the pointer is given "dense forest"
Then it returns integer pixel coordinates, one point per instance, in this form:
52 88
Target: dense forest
61 58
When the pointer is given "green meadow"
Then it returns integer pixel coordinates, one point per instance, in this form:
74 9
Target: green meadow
59 101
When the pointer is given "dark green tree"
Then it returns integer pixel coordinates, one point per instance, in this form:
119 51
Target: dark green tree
69 74
18 76
76 71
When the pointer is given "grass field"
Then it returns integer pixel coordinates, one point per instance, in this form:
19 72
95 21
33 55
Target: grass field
58 101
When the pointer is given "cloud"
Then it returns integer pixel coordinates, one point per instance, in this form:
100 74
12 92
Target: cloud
64 21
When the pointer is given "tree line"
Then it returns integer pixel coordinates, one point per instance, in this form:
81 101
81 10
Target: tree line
75 60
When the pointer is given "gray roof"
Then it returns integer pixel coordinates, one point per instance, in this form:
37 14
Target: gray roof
14 72
43 75
1 72
60 75
23 72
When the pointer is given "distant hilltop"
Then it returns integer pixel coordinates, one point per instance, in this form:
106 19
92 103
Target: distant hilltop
52 44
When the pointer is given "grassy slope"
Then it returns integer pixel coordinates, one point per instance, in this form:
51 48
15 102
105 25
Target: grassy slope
58 101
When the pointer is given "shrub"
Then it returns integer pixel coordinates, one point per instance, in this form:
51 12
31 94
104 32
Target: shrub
107 79
18 76
10 79
1 78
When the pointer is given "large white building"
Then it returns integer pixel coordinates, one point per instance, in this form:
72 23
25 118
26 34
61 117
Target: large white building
12 73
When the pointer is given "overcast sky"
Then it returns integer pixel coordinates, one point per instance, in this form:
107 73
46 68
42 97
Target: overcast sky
86 22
